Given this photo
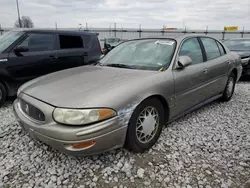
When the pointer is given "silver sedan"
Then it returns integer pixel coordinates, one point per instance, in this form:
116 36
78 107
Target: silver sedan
127 98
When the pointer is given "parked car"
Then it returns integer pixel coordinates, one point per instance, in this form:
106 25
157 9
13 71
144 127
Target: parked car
27 54
127 98
111 43
242 47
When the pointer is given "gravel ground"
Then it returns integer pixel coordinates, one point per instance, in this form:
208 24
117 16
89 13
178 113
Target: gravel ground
207 148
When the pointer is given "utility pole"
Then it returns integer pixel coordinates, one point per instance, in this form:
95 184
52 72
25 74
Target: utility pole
140 31
1 31
109 30
18 13
115 29
56 25
183 24
86 26
242 34
121 31
206 30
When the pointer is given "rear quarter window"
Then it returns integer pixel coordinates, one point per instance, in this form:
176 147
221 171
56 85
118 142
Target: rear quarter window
211 48
221 48
71 41
86 40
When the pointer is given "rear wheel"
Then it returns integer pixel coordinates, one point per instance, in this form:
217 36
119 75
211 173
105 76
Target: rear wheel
229 90
145 126
2 94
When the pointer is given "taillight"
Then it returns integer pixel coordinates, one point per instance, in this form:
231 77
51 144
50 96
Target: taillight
101 47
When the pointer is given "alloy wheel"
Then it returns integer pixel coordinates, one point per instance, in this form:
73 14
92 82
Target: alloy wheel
147 125
230 87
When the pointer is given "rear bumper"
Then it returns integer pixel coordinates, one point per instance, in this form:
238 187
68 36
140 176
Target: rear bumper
107 135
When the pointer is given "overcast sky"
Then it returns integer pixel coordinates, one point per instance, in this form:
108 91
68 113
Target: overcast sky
196 14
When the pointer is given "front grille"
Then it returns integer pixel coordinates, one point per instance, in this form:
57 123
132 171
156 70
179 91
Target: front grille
245 56
31 111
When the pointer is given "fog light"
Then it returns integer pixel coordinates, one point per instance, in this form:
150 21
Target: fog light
83 144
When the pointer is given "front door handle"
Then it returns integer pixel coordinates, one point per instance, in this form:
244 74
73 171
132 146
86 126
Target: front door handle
229 62
3 60
205 71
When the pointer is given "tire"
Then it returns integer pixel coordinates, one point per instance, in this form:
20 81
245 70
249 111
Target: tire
229 89
2 94
133 141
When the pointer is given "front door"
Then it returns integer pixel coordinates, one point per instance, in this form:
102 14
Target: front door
190 81
37 61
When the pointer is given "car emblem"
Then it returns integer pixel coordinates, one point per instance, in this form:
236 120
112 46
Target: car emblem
26 109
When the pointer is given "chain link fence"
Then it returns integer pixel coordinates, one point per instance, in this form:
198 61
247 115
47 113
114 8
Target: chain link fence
132 33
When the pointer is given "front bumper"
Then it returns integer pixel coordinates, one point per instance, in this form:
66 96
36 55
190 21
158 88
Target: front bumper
107 135
246 70
245 61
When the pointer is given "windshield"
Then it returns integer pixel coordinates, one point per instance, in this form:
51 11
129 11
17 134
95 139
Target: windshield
150 54
8 38
239 45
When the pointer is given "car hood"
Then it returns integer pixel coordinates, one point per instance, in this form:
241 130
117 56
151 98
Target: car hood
242 54
83 86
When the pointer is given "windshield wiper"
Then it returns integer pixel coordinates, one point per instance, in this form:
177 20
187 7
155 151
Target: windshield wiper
120 65
98 63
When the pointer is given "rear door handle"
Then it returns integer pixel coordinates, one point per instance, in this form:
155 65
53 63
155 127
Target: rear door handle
85 54
52 58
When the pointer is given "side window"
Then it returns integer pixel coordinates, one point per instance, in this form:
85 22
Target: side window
39 42
86 40
191 47
211 48
222 50
70 41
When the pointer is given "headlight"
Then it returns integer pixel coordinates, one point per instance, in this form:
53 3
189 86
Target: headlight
81 117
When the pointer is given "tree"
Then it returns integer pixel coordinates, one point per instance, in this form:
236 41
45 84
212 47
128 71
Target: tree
26 22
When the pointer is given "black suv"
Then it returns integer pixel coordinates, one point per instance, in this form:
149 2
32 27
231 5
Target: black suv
27 54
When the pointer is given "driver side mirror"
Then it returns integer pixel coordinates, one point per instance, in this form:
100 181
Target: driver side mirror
184 61
21 49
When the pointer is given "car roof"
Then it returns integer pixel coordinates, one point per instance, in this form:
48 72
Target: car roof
113 38
59 31
238 39
178 38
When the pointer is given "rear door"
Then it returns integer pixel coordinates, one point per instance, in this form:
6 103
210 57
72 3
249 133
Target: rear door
217 63
190 82
72 51
37 61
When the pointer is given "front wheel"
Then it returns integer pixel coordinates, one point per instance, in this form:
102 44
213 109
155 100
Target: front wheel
229 90
145 126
